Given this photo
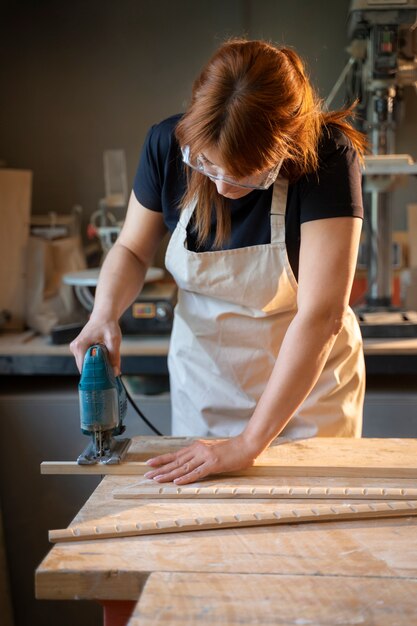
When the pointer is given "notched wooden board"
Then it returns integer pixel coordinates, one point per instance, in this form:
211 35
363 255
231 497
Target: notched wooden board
284 515
251 491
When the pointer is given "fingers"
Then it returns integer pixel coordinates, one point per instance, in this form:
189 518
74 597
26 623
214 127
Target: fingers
171 466
162 459
200 459
186 473
181 456
185 466
112 340
114 355
79 347
196 474
108 334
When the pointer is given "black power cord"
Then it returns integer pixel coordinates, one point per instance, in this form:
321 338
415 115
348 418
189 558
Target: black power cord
139 412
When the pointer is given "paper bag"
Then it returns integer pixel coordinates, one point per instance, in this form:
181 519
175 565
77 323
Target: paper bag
48 301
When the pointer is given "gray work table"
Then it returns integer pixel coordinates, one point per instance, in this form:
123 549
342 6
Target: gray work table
391 356
28 354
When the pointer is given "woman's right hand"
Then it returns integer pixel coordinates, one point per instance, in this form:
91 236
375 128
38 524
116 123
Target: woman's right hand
107 333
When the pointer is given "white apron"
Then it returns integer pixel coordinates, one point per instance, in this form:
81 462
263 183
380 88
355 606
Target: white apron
233 310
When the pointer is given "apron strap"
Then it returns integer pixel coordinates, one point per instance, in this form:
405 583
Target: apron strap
186 214
278 209
277 216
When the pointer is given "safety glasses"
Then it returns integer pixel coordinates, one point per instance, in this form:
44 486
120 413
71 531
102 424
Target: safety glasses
200 164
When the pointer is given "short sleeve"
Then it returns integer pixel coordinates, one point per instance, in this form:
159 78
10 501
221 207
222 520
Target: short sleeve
160 181
147 184
335 190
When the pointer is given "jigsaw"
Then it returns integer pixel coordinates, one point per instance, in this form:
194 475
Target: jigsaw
103 407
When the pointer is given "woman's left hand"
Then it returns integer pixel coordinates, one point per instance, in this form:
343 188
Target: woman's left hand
200 459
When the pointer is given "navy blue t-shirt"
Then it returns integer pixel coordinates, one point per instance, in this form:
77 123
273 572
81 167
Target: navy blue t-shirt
333 191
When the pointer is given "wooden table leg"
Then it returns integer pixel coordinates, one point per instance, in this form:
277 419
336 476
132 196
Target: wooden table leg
117 612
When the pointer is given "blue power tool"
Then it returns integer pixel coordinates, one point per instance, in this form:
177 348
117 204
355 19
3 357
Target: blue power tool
103 407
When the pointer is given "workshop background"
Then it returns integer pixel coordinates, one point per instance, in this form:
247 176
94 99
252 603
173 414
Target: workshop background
88 76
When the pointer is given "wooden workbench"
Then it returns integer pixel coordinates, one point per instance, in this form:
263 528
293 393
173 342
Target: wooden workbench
356 572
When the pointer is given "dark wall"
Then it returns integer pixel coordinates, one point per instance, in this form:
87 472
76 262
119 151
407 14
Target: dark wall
89 75
85 76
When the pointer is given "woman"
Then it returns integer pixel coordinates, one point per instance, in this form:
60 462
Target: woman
263 251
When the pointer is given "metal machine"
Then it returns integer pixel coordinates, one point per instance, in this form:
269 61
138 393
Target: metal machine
152 312
383 61
103 407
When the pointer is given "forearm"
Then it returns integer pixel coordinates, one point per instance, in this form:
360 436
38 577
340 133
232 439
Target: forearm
301 359
121 278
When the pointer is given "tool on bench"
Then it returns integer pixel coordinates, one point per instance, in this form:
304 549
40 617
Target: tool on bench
103 407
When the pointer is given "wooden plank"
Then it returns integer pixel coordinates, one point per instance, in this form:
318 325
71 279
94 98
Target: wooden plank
251 491
201 598
128 484
128 468
15 204
384 458
318 513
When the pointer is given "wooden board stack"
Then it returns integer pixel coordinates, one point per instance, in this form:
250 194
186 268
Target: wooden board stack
374 478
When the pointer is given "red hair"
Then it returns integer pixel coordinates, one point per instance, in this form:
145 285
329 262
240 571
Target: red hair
254 104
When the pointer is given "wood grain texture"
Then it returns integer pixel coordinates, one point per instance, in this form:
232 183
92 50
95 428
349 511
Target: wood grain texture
251 491
117 569
366 458
288 515
256 600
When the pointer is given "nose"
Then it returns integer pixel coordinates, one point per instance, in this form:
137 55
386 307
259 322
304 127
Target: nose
223 187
